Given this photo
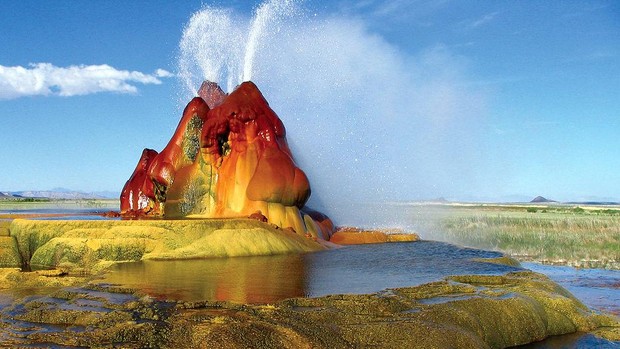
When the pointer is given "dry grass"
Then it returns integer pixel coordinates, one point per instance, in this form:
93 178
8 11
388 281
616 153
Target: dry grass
587 238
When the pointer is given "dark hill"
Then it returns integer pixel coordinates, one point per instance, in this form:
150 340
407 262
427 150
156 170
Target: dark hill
541 199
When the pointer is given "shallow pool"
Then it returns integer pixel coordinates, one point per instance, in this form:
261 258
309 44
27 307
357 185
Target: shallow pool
351 269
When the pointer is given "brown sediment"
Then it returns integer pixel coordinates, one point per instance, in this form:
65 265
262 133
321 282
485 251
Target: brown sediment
356 236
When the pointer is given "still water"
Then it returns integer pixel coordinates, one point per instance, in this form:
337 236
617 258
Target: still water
352 269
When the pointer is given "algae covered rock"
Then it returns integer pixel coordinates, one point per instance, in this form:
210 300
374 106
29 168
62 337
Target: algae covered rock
4 227
91 246
15 278
465 311
471 311
9 256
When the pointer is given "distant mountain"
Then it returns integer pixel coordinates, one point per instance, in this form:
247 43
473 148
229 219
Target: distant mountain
62 193
440 200
108 194
540 199
594 203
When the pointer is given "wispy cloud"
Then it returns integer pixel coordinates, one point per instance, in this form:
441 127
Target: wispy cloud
482 20
593 56
45 79
413 12
586 9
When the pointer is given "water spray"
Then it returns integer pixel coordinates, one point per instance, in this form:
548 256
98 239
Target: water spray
219 47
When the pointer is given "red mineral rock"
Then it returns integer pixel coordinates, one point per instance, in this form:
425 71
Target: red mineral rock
182 150
229 158
137 196
211 93
258 215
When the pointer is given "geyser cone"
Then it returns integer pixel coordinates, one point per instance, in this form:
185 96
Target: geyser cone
233 161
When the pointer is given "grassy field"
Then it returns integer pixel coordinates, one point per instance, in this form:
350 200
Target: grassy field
578 236
17 205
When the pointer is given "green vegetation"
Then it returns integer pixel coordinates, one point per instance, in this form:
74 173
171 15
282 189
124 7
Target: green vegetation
4 227
578 236
18 204
20 199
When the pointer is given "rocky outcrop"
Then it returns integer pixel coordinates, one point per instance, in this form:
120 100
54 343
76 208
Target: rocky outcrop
466 311
228 158
87 247
541 199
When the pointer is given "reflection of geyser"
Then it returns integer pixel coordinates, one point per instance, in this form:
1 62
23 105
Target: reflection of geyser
262 279
367 123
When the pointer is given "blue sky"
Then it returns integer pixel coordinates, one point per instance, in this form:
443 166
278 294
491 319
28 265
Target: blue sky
382 100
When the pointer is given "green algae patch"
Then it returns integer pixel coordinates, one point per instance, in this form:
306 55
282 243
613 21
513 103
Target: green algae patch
91 246
9 256
15 279
467 311
4 227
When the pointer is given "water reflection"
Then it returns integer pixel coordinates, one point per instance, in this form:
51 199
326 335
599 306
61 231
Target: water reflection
262 279
267 279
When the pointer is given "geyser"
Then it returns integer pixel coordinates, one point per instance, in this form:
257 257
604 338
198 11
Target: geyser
217 48
228 158
394 122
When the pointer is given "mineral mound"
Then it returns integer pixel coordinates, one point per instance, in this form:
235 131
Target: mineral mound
228 158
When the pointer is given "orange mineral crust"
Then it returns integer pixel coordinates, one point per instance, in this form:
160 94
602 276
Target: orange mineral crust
229 157
356 236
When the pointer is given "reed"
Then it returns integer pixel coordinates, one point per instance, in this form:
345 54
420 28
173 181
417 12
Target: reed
574 237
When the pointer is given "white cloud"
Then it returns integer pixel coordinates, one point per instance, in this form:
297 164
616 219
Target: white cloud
45 79
160 73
